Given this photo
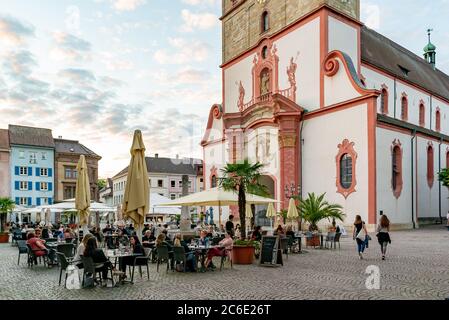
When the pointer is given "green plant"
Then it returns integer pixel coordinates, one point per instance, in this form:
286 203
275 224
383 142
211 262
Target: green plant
243 177
6 205
101 183
247 243
314 209
283 213
443 176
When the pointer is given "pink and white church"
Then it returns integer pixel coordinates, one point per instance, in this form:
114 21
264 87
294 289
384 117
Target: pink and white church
330 106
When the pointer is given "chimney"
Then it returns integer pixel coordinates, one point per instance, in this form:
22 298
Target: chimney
156 155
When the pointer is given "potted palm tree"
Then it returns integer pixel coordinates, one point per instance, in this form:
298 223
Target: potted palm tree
6 205
243 177
313 209
443 176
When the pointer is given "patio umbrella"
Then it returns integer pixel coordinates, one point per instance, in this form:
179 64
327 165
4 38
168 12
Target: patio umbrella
292 212
39 215
271 213
48 217
136 201
249 214
82 194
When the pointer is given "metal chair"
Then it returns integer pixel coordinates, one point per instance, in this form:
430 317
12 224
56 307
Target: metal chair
227 253
68 249
33 258
142 261
63 264
337 240
179 255
23 249
163 256
90 268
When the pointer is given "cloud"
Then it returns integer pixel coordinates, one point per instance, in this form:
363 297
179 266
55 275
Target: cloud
201 21
13 31
19 63
371 15
184 52
115 63
70 47
77 75
127 5
72 20
201 2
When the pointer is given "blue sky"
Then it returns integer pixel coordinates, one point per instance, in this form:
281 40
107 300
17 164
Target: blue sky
95 70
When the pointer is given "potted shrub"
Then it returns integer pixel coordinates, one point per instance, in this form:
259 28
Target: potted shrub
243 251
314 209
6 205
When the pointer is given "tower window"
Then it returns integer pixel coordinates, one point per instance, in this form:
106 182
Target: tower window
265 52
265 21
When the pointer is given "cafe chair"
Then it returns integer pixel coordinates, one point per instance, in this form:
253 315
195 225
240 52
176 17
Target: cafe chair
141 261
284 246
68 249
180 256
227 254
163 256
63 264
33 258
23 249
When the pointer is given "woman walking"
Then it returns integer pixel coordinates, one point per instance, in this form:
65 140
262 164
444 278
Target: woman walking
359 234
383 234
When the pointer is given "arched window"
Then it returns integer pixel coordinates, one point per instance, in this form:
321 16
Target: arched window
346 171
265 21
213 182
438 120
404 108
346 168
396 179
384 101
422 115
430 166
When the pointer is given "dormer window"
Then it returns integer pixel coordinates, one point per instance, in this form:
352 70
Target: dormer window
404 70
265 22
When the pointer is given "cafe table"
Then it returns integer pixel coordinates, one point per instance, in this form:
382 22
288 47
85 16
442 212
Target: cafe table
117 255
202 252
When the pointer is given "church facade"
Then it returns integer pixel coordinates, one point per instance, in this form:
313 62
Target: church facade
330 106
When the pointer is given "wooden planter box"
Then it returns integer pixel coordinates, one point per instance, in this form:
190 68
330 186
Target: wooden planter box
4 237
314 241
243 255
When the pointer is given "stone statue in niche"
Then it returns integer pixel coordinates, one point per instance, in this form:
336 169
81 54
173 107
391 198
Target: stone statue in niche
265 83
241 97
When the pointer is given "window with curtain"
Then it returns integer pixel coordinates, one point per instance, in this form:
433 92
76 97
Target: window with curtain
430 166
384 101
404 108
346 171
438 120
422 115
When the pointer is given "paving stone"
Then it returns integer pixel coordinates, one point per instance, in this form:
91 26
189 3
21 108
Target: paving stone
416 268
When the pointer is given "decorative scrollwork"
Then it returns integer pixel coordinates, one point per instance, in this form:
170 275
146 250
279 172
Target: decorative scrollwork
331 67
217 112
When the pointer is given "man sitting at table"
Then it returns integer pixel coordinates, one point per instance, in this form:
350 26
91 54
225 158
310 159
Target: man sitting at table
225 246
147 238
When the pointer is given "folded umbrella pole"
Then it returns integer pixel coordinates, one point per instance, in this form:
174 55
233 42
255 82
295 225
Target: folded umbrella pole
82 198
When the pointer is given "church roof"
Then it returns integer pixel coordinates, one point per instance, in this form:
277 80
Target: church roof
383 53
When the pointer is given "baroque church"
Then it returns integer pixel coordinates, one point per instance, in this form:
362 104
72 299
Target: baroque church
330 106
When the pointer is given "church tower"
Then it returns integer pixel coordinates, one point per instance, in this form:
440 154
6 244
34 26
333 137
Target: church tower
246 22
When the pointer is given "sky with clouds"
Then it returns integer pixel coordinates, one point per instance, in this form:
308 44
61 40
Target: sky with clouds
95 70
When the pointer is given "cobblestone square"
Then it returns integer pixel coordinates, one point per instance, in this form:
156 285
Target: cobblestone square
417 267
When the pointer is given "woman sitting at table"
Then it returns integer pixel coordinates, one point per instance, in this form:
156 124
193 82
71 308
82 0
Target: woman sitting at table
225 246
39 249
137 250
80 250
279 231
190 255
290 232
160 241
203 240
256 235
97 256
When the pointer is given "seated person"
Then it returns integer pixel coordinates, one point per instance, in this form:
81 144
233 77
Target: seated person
225 244
39 249
203 240
160 241
237 231
80 250
279 231
137 249
147 238
190 255
290 232
107 229
211 232
69 234
97 256
256 235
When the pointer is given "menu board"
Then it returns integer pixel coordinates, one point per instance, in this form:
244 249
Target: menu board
270 252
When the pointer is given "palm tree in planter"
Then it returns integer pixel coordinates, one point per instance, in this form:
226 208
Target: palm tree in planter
443 176
243 177
6 205
313 209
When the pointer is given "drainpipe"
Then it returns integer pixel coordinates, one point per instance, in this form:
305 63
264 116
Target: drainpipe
300 165
431 112
395 98
439 182
413 178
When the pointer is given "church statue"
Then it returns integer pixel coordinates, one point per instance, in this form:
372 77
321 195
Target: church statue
241 96
291 73
265 84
